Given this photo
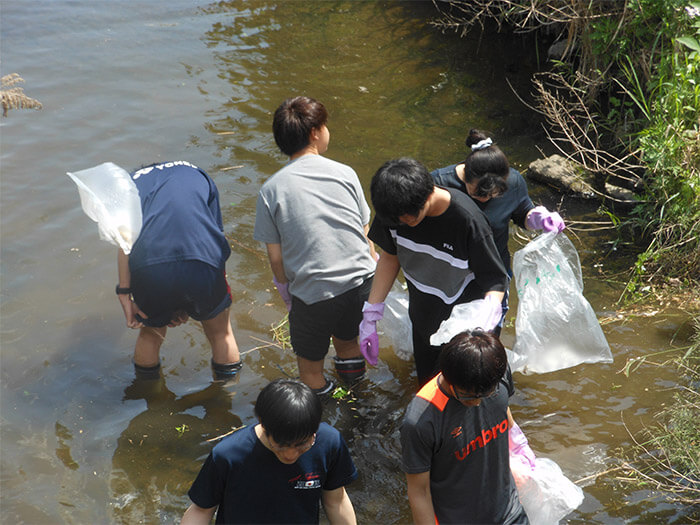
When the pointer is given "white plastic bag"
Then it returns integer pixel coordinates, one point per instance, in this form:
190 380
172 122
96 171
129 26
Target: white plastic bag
395 326
110 198
465 316
546 494
555 325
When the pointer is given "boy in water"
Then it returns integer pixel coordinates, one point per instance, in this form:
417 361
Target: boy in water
278 470
455 438
176 268
444 245
313 217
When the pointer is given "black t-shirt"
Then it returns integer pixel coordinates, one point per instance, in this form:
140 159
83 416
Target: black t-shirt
250 485
465 449
443 255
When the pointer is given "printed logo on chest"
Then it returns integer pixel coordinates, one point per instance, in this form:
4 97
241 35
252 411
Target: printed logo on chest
309 480
487 436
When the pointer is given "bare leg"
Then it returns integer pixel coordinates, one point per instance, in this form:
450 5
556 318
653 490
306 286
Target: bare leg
311 372
346 349
147 349
224 349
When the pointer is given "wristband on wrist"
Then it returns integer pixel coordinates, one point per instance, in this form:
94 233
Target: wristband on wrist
122 291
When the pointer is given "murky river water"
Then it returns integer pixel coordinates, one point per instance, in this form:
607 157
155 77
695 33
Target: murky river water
140 81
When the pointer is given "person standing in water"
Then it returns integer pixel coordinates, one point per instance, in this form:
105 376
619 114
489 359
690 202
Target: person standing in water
313 218
278 470
499 191
444 245
456 437
176 268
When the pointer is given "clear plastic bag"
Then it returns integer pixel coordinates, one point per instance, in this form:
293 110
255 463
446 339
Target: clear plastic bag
555 326
395 327
546 494
465 316
110 198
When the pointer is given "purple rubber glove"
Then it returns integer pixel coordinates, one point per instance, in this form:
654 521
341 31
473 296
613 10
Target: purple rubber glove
369 339
283 289
492 313
540 218
519 447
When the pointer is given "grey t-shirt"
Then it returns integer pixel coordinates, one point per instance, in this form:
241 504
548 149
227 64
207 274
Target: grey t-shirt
316 210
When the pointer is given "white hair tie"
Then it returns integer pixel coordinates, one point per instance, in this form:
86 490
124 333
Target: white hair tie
482 144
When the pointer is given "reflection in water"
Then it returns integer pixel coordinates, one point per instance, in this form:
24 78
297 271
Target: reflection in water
150 469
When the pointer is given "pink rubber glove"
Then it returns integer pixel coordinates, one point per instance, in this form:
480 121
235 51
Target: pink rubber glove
539 218
519 447
283 289
369 339
493 312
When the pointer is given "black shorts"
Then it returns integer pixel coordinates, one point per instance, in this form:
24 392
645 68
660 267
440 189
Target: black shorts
312 325
196 287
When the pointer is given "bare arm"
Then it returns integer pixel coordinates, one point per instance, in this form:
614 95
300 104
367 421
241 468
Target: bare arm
511 421
196 515
387 269
128 306
420 499
338 507
274 254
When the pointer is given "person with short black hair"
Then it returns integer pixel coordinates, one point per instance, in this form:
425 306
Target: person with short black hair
499 190
455 438
279 470
313 218
445 247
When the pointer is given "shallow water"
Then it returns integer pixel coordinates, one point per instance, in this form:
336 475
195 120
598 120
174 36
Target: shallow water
139 82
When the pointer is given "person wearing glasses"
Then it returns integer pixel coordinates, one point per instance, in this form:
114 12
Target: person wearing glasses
499 191
444 245
278 470
455 438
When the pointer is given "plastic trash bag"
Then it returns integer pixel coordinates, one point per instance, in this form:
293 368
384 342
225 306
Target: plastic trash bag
110 198
546 494
465 316
395 326
555 325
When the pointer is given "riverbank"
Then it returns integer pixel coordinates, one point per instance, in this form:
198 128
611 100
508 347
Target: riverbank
620 99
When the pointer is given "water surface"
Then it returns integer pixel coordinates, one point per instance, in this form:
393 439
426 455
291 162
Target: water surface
140 82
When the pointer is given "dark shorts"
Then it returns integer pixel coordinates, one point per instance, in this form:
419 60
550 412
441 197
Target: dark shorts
312 325
196 287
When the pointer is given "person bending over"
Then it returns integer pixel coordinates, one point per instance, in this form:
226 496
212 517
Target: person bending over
176 268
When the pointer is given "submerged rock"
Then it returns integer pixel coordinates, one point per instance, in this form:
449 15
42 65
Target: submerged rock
568 177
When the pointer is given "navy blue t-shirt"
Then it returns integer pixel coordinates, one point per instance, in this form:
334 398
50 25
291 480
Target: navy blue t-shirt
513 205
250 485
181 217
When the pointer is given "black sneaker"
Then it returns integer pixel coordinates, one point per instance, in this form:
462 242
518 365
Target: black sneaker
350 370
325 389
